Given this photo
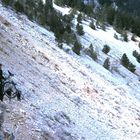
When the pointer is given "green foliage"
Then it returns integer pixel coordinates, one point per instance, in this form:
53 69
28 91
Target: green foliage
79 18
6 2
125 36
18 6
69 38
138 58
125 60
60 45
88 9
106 49
126 63
77 4
79 29
120 19
91 25
90 52
133 38
135 54
107 2
107 64
68 28
77 47
68 18
103 27
132 67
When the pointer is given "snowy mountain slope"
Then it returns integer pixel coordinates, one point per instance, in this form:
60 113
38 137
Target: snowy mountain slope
65 96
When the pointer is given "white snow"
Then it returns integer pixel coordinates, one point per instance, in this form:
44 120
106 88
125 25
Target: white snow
64 10
68 96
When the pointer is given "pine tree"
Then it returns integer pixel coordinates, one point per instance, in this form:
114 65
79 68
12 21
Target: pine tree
79 18
107 64
90 52
138 58
6 2
125 60
92 25
18 7
68 28
125 36
106 49
135 54
79 29
132 67
77 47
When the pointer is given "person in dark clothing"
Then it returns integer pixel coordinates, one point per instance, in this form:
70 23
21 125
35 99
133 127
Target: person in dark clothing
1 81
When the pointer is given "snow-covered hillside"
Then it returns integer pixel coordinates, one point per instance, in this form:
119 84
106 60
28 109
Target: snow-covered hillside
65 96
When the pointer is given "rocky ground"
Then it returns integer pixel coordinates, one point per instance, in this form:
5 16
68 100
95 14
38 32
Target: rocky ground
61 98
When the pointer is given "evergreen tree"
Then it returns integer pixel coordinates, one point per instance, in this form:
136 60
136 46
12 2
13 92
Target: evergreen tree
125 60
68 28
135 54
125 36
79 29
107 64
6 2
88 9
110 15
68 18
92 25
138 58
18 6
132 67
106 49
90 52
77 47
79 18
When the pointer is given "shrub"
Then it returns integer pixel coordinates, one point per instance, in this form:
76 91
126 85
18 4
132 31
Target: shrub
68 28
80 29
79 18
60 45
106 49
91 25
77 47
131 67
6 2
125 60
125 36
90 52
103 27
68 38
133 38
18 7
135 54
107 64
138 58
